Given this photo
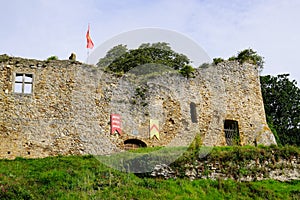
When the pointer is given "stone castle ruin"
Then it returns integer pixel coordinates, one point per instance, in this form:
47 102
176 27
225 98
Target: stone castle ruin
64 107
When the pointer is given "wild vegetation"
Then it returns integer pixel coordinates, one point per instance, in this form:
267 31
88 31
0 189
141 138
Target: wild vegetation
121 60
282 105
52 58
84 177
4 58
247 55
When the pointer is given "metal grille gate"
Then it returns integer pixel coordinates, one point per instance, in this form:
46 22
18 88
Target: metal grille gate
231 130
232 137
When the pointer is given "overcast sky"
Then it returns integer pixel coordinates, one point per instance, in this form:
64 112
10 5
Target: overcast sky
42 28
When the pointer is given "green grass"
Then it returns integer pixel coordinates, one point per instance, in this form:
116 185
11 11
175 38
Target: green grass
84 177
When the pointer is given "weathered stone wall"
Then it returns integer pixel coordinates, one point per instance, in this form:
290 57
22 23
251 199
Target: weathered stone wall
69 109
250 166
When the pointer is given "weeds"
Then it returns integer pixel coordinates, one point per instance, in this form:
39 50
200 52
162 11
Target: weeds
84 177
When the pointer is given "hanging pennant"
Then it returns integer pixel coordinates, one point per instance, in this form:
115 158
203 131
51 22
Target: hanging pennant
115 124
154 128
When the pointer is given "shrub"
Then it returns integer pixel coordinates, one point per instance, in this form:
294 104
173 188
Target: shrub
187 71
4 58
217 60
52 58
250 56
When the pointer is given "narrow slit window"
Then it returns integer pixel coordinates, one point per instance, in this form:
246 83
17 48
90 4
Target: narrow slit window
23 83
193 112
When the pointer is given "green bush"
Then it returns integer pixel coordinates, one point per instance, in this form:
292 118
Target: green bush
217 60
4 58
187 71
250 56
52 58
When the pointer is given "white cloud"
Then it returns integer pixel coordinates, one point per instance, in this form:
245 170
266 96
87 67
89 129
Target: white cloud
38 29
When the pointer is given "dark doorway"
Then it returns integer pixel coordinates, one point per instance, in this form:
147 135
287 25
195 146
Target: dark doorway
193 112
232 135
133 144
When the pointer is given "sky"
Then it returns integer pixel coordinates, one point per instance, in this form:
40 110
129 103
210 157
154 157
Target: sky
41 28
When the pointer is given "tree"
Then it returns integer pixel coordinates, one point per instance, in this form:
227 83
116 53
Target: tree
158 45
112 55
187 71
156 53
282 105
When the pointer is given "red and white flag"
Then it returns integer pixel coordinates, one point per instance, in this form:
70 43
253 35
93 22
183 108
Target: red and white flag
89 41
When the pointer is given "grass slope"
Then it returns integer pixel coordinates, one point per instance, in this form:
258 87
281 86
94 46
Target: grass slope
84 177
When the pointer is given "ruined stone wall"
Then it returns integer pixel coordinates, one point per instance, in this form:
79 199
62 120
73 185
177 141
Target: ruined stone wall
242 101
69 109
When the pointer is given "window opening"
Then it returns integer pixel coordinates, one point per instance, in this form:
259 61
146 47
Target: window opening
193 112
23 83
232 135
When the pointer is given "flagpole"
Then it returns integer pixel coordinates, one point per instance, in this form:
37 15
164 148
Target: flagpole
88 54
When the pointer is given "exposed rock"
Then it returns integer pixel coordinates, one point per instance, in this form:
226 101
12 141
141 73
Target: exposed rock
282 170
164 171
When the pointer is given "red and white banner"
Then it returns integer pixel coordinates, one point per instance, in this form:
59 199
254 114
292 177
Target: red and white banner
115 124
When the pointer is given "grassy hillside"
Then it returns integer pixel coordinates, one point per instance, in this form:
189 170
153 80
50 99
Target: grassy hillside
84 177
